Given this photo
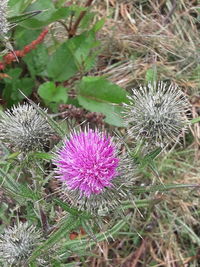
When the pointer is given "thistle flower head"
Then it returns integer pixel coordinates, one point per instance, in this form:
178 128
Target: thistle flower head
24 128
92 173
88 162
156 113
4 26
17 243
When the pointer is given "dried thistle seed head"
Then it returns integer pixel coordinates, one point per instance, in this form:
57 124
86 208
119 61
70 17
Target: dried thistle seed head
24 129
4 26
17 243
157 114
91 171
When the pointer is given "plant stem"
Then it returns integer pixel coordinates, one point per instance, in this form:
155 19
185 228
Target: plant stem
73 29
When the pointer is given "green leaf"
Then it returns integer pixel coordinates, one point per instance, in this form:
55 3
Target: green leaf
99 95
72 56
81 47
27 15
50 93
61 64
78 245
70 223
163 188
151 75
18 6
48 9
11 91
71 210
195 120
16 189
98 25
42 155
150 157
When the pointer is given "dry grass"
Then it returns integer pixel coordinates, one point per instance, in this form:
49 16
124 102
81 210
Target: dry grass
160 37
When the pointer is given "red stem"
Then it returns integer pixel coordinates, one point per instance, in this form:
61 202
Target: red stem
12 56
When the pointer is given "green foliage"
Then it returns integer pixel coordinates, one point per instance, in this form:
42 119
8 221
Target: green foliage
72 56
52 94
12 85
63 69
99 95
151 75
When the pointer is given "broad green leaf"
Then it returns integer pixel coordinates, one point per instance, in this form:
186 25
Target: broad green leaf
73 56
61 64
38 58
48 9
99 95
111 111
18 6
100 89
80 46
50 93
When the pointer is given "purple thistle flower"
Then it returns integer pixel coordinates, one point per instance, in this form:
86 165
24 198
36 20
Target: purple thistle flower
88 162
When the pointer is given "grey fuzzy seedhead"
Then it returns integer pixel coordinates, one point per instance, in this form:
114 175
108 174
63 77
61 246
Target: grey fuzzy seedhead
17 243
156 114
24 129
4 26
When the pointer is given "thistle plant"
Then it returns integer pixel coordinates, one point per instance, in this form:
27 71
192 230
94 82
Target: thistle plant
24 129
156 114
92 172
17 243
4 26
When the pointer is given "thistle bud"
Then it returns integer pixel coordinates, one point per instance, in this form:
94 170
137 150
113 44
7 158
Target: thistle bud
17 244
24 129
156 114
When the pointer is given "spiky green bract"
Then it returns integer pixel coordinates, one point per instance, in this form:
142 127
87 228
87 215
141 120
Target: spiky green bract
156 114
24 129
4 26
111 197
17 243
